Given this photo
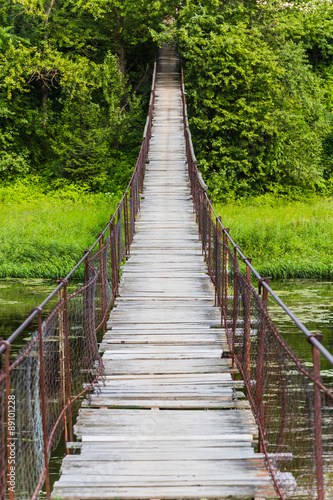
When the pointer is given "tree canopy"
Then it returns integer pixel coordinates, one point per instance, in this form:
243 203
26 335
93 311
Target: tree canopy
259 89
75 79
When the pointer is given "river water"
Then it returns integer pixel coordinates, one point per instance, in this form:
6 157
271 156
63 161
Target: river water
310 300
17 298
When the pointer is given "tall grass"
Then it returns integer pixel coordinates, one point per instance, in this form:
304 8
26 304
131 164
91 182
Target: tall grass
43 233
284 238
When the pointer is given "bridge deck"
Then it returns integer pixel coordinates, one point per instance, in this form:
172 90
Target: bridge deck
147 432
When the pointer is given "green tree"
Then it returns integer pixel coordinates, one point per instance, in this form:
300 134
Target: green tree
66 107
256 110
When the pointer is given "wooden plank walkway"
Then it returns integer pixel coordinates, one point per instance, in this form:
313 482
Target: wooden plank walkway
169 422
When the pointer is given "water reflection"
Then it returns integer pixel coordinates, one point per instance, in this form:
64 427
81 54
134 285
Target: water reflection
312 302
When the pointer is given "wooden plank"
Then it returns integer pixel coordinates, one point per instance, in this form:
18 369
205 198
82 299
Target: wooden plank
209 377
176 446
162 339
88 492
161 472
190 404
152 366
140 493
108 451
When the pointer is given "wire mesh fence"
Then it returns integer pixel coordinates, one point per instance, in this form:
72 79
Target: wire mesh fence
41 388
292 406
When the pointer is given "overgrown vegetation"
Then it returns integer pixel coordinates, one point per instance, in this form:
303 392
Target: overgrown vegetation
260 94
74 85
44 234
284 238
75 77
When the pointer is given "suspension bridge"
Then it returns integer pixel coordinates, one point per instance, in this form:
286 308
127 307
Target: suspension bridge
163 356
195 394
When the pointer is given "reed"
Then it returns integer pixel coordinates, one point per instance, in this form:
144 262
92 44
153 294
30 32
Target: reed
285 239
44 233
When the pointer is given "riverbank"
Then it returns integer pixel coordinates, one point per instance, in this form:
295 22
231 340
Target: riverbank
43 234
285 239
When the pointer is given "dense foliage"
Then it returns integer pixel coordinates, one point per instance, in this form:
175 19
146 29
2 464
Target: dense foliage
260 93
74 75
74 85
44 233
285 238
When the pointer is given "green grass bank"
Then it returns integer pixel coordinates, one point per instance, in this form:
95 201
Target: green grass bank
285 239
43 232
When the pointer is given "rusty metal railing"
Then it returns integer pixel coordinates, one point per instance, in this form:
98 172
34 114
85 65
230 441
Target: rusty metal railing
292 406
41 387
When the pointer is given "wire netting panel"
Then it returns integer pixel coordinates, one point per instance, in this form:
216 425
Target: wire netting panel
132 213
229 288
327 429
77 362
3 431
27 436
119 242
48 385
53 353
281 391
101 262
213 257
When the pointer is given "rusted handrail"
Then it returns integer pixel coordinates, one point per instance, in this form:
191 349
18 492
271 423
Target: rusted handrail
297 322
280 388
46 378
34 314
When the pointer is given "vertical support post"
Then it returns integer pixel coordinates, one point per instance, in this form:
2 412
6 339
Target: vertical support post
67 358
113 264
101 263
234 311
226 269
127 245
217 261
260 366
43 401
247 326
86 267
198 211
62 360
138 195
318 421
209 239
128 216
9 442
194 194
88 300
119 244
203 224
224 288
197 198
132 212
3 446
222 280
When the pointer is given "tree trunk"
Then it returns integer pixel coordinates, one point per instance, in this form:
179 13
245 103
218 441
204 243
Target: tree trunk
45 94
121 55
